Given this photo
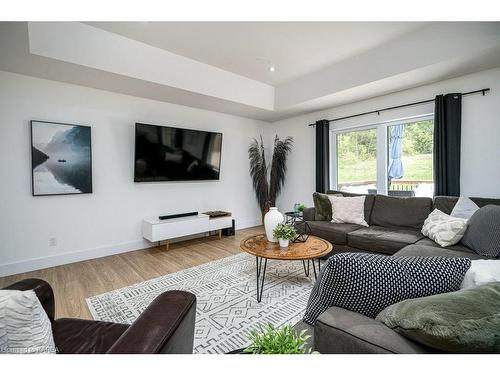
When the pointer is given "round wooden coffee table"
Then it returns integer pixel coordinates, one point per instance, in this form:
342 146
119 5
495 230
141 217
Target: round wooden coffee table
258 245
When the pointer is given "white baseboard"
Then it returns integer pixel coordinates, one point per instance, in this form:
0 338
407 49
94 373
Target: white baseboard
72 257
34 264
248 224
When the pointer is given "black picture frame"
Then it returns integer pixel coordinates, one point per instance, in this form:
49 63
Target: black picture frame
84 170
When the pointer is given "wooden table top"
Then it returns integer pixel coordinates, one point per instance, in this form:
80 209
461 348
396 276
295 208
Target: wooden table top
258 245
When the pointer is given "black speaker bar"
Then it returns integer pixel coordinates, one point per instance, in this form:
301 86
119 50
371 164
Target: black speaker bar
174 216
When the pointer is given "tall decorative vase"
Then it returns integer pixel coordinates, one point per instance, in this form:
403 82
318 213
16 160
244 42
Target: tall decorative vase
271 219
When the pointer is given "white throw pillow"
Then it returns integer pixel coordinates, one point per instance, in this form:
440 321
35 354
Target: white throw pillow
464 208
444 229
481 272
348 210
24 325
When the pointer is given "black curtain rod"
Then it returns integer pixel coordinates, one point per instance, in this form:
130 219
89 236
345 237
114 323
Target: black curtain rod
483 91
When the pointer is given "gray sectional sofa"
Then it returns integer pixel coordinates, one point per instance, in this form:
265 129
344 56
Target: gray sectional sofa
394 229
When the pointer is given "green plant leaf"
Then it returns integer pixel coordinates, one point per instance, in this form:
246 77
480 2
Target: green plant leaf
284 231
285 340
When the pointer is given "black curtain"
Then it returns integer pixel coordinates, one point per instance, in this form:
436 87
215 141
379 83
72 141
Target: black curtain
322 155
447 133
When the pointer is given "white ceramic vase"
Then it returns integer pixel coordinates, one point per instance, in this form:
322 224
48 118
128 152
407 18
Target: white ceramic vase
271 219
284 243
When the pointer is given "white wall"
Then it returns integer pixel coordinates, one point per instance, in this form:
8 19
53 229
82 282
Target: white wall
480 164
107 221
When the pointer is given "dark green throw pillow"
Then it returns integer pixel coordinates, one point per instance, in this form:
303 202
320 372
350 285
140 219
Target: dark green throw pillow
322 206
466 321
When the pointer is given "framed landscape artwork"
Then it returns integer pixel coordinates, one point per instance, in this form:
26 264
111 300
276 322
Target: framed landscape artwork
61 158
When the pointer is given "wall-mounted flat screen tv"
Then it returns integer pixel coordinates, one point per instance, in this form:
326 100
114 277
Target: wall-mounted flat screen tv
164 153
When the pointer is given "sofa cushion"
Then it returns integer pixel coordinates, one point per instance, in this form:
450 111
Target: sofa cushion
78 336
309 214
335 233
458 247
465 321
400 212
338 330
370 198
446 204
433 251
382 239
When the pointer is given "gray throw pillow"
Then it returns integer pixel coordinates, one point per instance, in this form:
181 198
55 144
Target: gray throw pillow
483 232
466 321
322 206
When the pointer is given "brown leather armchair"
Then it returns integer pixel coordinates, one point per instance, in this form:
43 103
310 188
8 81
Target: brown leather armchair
166 326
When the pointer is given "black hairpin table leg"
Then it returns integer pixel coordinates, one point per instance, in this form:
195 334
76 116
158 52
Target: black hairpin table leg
314 267
260 271
306 269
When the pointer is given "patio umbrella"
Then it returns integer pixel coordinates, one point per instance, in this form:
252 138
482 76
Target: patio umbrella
395 158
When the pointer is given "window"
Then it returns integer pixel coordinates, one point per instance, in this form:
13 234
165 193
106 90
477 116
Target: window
391 158
357 161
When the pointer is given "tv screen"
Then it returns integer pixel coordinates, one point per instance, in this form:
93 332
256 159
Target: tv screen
165 153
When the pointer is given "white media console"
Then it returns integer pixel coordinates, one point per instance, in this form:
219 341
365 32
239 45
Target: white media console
155 230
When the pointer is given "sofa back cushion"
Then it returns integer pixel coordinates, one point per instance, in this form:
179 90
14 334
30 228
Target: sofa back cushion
400 212
370 198
446 204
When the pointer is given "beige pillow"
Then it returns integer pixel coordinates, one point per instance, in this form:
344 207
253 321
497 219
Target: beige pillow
444 229
348 210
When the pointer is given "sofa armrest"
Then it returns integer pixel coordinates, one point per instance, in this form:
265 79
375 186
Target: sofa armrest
338 330
166 326
43 291
309 213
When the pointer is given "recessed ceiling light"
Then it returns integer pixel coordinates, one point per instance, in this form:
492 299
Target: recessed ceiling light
272 68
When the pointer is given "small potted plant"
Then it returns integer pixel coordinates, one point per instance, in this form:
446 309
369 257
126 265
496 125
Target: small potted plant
298 208
284 340
284 233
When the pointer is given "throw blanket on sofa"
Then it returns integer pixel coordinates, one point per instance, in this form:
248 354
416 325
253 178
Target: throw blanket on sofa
368 283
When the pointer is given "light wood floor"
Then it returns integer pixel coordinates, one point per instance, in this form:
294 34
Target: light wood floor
72 283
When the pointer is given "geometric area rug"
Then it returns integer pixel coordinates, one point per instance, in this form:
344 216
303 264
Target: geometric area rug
225 289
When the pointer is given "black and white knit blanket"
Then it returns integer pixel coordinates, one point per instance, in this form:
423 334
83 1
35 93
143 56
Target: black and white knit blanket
368 283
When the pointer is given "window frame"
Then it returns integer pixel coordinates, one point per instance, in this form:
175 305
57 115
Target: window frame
382 129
